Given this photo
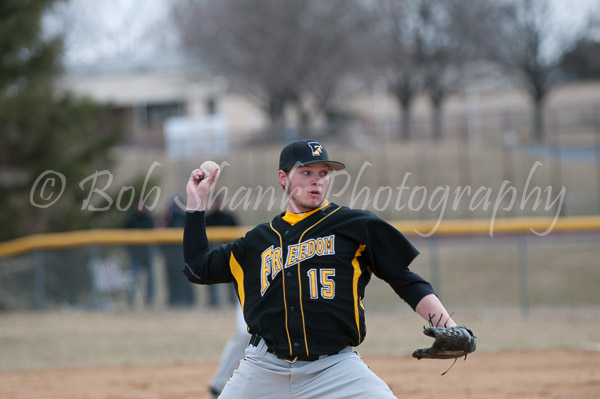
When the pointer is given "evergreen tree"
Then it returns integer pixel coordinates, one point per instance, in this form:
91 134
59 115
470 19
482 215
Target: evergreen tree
44 132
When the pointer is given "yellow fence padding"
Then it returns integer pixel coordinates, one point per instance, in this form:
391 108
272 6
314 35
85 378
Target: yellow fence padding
226 234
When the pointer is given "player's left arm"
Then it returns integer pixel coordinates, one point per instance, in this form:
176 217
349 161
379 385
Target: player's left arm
431 309
450 341
391 254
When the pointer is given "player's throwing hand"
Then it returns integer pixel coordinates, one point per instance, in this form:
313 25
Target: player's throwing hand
198 187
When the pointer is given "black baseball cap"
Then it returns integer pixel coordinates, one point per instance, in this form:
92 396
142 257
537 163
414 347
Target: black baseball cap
305 152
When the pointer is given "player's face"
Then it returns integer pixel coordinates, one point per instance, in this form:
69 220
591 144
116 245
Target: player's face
306 187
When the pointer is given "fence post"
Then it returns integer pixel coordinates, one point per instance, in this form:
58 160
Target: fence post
555 158
463 154
434 266
523 276
94 258
39 280
596 127
153 253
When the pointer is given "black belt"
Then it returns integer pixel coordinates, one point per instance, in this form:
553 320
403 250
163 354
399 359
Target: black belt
255 340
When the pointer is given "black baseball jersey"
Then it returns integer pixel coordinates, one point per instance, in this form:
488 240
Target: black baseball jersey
301 284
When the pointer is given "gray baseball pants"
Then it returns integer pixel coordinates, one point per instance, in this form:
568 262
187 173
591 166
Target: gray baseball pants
232 353
261 375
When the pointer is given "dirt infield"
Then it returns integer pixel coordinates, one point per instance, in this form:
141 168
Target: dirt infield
173 355
488 375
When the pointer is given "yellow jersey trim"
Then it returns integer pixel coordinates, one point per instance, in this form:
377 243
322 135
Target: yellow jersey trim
357 300
293 218
238 275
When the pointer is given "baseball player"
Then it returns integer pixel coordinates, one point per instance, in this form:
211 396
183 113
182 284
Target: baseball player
301 281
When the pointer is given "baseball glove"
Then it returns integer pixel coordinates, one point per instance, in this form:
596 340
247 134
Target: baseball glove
450 343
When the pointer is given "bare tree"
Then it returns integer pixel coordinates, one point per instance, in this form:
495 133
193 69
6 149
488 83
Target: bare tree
530 44
396 55
424 45
447 40
276 52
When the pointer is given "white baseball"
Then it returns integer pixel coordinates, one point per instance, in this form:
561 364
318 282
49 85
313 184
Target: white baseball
207 168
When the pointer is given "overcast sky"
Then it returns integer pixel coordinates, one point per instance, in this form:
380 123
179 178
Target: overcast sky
132 30
110 30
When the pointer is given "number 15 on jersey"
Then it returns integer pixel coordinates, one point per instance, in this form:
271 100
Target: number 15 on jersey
321 283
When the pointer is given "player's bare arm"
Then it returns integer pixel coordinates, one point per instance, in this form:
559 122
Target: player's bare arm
431 306
450 341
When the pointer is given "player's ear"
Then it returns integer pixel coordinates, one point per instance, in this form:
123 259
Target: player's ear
283 178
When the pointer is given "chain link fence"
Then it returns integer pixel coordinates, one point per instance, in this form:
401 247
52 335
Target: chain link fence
470 270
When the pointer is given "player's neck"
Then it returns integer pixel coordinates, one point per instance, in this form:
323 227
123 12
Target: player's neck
294 217
294 208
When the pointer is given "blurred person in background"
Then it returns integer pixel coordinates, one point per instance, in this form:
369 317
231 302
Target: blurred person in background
139 255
